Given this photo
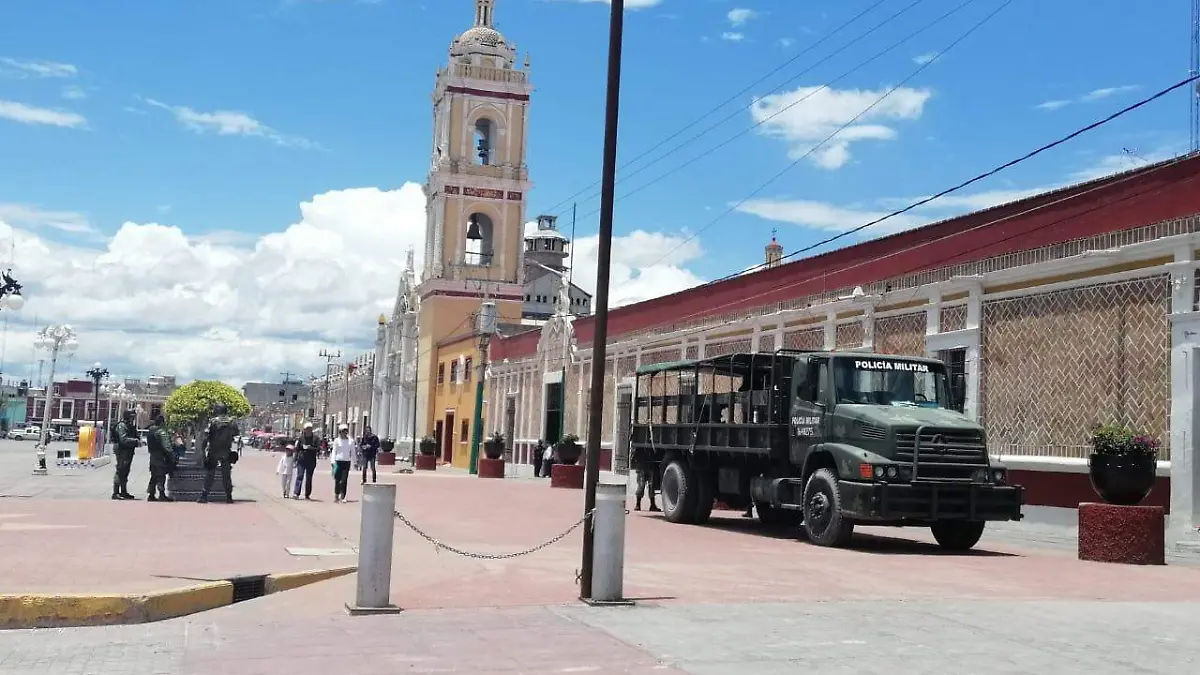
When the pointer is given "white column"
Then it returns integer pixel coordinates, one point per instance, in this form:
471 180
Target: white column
779 336
754 339
831 331
1185 379
579 411
974 364
933 314
701 344
868 328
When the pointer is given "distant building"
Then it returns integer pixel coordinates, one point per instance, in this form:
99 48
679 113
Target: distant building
547 249
74 402
291 392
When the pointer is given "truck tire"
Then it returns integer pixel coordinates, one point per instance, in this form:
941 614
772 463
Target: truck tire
957 535
773 516
679 492
823 520
706 492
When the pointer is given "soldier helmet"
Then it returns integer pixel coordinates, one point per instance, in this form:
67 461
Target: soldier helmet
220 409
160 420
129 412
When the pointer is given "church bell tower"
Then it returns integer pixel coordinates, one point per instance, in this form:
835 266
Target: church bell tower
475 191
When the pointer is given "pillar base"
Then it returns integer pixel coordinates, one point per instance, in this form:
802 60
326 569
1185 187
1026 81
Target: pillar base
386 459
491 468
354 610
1130 535
569 476
426 463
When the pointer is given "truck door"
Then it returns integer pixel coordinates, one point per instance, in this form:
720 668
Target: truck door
811 386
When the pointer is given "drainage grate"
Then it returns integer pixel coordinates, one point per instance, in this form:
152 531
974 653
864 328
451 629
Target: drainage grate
248 587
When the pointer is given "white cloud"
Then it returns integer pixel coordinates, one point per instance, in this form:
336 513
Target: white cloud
808 115
837 218
644 265
26 68
786 42
740 15
33 217
732 37
1090 97
154 299
922 59
27 114
74 93
230 123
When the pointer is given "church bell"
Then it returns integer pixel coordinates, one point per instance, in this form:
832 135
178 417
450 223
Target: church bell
473 229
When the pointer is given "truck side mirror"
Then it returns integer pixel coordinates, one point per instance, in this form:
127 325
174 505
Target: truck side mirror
958 391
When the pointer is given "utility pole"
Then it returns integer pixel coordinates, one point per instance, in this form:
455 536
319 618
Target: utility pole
350 368
608 182
329 356
487 328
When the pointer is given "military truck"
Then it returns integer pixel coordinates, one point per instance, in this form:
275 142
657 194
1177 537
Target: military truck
823 440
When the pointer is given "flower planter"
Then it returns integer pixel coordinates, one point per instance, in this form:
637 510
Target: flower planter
568 453
386 459
428 447
387 445
493 449
1122 480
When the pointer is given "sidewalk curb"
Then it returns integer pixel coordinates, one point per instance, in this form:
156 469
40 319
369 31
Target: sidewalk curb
34 610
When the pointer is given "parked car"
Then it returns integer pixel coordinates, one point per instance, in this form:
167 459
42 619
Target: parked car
23 433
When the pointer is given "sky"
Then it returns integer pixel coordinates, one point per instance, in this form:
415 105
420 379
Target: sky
220 189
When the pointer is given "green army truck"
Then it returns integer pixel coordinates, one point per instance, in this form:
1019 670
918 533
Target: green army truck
826 440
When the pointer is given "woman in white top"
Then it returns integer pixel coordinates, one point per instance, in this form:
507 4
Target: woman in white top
342 450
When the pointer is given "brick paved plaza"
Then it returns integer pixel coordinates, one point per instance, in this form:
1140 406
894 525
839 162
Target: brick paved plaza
727 598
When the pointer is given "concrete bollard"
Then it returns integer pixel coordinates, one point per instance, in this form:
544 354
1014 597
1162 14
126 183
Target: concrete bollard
608 562
374 586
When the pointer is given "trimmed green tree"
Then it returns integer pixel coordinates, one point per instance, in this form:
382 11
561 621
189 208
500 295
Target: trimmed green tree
190 406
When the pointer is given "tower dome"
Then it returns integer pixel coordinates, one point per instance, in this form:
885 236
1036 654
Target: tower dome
482 38
774 252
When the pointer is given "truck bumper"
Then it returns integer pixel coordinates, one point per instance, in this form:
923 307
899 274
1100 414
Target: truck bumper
927 501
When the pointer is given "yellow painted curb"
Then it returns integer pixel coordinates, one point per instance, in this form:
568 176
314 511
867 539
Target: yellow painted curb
55 611
33 610
286 582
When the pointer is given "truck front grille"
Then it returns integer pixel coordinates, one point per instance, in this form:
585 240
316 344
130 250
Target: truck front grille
944 453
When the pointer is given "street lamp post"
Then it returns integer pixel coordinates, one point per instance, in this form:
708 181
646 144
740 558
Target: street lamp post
97 373
56 340
329 356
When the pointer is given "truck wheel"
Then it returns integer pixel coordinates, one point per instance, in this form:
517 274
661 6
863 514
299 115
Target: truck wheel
679 492
823 520
706 492
957 535
772 516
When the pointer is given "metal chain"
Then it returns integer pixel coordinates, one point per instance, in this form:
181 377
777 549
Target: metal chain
492 556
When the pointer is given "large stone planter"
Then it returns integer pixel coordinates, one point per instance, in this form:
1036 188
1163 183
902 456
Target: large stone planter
1131 535
1122 480
491 467
567 476
426 463
386 459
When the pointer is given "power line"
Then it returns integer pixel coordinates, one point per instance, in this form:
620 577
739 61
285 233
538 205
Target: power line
1077 195
920 68
739 111
733 98
987 174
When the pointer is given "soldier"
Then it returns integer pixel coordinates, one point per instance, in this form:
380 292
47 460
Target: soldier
162 459
125 439
646 477
218 447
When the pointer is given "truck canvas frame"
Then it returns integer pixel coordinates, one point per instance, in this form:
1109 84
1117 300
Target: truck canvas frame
826 440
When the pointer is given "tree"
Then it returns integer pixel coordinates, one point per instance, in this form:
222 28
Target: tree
191 405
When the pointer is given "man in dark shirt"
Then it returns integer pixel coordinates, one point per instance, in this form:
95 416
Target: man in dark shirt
126 441
369 446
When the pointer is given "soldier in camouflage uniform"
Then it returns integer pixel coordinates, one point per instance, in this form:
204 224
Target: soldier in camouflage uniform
218 446
162 460
126 440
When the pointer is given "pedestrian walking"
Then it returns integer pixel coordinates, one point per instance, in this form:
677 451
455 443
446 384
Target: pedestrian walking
369 445
307 449
287 469
125 438
162 460
547 461
342 451
647 477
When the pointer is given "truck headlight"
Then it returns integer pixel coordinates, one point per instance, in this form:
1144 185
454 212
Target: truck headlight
999 476
892 472
879 471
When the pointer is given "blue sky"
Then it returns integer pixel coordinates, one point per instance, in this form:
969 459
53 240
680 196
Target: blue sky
110 111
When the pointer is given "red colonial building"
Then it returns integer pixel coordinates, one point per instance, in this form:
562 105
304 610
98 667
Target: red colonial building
1062 310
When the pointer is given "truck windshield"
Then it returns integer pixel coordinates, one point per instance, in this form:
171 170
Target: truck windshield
874 381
